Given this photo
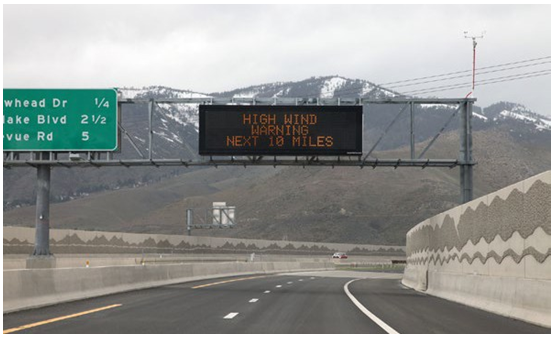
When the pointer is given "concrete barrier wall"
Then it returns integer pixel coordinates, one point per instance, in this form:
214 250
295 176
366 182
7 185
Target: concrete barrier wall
32 288
103 260
492 253
20 240
28 288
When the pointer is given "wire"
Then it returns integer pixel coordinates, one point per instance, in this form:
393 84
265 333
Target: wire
479 83
465 71
356 90
484 80
478 73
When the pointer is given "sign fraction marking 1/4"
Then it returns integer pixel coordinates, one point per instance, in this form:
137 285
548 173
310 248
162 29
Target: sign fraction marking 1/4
102 103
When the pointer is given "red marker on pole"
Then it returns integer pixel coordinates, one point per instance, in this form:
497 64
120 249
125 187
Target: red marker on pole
474 39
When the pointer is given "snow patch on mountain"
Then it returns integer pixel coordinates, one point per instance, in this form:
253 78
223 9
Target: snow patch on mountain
515 115
184 114
331 85
475 114
133 93
438 106
282 92
158 91
367 88
247 94
519 112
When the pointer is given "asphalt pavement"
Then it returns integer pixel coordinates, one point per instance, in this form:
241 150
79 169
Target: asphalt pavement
319 302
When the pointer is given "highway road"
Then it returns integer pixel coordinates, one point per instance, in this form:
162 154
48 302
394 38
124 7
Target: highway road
310 302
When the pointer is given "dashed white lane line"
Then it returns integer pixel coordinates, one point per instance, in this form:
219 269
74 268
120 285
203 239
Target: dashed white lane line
289 282
254 300
279 286
231 315
368 313
267 292
300 280
312 278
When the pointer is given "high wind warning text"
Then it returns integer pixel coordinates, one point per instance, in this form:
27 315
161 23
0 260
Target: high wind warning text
280 130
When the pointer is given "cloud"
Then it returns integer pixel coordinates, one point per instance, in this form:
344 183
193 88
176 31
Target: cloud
216 48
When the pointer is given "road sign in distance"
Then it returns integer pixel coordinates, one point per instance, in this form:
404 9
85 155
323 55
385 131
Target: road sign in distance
280 130
60 120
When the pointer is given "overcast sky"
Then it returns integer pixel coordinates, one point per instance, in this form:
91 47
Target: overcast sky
216 48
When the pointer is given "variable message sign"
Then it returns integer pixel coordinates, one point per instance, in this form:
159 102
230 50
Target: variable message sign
280 130
60 120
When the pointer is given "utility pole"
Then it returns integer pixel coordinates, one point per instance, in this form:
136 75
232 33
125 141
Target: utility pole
474 39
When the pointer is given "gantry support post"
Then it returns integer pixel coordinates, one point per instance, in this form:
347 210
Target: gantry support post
412 133
189 222
466 155
150 130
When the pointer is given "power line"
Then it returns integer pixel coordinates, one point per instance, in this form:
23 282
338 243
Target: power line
356 90
467 71
478 73
479 83
484 80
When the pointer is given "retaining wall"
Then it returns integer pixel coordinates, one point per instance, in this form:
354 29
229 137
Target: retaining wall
32 288
20 240
492 253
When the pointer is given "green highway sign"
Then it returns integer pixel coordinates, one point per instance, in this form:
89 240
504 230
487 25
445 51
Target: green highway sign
60 120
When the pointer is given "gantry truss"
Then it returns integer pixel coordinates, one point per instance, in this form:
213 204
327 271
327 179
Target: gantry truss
44 161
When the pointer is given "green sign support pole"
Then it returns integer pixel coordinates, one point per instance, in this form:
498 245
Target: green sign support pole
42 235
41 256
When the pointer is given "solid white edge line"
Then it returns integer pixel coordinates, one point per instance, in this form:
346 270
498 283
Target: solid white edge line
368 313
231 315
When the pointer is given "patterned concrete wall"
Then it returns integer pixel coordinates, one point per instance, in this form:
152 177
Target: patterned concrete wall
501 240
20 240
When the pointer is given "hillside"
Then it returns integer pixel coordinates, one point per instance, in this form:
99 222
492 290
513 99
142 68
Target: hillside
313 204
176 133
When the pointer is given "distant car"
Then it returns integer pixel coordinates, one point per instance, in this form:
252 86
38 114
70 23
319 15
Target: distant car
340 256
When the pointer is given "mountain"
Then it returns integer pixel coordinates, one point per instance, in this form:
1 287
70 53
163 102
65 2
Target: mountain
503 112
520 122
365 206
323 87
313 204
